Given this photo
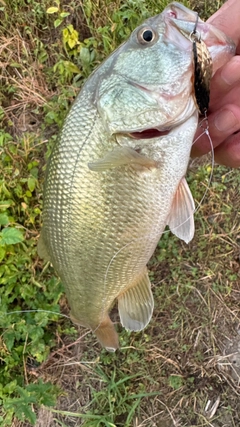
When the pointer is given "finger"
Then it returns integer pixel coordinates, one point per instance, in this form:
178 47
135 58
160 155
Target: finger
224 79
231 97
222 124
228 153
227 20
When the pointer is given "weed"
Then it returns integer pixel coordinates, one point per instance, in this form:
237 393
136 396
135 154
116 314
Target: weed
114 404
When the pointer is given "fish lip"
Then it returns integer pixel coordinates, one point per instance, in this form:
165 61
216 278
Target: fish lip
181 23
182 14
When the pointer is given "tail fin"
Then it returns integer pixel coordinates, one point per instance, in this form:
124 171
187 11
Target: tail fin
105 332
107 335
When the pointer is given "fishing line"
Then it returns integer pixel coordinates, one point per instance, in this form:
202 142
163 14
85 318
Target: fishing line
195 32
110 263
195 37
35 311
206 131
202 76
107 270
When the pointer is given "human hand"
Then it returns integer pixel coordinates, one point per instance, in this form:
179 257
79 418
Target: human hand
224 111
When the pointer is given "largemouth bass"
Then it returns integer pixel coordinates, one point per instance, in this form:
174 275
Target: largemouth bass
116 176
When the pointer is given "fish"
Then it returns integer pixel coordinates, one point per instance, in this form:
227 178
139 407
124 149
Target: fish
116 175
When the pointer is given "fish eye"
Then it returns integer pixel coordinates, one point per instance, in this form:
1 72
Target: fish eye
146 35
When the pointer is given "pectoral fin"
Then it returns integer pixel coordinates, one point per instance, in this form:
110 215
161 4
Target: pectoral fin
135 306
181 219
42 250
121 156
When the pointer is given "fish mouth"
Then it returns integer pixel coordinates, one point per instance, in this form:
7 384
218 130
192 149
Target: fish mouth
148 134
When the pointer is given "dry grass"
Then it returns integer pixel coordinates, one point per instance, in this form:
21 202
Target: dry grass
190 349
26 83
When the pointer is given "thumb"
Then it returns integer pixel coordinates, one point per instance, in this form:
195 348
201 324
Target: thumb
227 20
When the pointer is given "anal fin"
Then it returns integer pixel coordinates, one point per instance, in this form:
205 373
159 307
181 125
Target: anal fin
135 305
181 219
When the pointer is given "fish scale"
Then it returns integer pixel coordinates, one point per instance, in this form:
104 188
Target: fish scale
109 194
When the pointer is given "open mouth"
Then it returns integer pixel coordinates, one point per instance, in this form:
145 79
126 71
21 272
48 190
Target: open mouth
148 133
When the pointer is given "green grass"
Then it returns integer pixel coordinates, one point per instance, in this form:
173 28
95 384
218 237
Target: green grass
51 373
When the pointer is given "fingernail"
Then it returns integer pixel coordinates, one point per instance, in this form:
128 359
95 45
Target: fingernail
225 121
